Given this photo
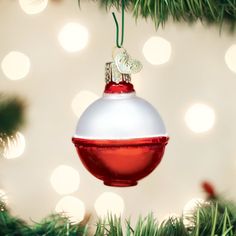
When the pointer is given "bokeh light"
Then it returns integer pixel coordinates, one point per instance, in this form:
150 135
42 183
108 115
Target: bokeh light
191 205
3 196
230 58
71 207
14 146
33 6
157 50
200 118
82 100
15 65
65 179
109 203
73 37
189 208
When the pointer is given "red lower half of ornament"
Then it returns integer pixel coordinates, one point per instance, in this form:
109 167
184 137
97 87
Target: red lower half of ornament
121 163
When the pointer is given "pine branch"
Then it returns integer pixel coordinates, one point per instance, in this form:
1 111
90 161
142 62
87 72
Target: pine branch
11 117
57 225
214 217
12 226
54 225
11 114
220 12
217 217
173 227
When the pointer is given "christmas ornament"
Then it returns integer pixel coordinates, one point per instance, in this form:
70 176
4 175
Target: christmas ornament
120 138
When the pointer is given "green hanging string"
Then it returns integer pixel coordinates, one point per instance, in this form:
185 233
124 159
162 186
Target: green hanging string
120 44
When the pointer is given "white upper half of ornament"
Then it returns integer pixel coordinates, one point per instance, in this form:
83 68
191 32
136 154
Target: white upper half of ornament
120 116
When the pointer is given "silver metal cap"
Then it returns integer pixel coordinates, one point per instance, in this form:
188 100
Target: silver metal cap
112 74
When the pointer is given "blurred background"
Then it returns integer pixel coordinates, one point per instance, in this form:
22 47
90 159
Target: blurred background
52 53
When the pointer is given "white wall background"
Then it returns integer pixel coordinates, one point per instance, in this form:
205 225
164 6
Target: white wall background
195 73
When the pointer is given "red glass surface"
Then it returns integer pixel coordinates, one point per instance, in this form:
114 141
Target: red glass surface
121 87
121 162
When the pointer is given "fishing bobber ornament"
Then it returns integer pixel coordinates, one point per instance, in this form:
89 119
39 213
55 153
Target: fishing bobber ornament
120 138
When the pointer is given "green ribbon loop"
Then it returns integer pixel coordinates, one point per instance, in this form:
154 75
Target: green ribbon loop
120 44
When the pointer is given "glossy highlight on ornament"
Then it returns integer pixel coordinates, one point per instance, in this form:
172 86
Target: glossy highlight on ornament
121 163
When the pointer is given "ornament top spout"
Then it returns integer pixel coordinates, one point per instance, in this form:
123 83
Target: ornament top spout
117 82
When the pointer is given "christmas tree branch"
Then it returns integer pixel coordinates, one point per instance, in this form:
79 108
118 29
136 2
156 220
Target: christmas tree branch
214 217
160 11
11 117
11 114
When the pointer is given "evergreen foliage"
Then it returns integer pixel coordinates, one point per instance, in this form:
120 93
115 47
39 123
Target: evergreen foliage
11 114
212 218
160 11
11 117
